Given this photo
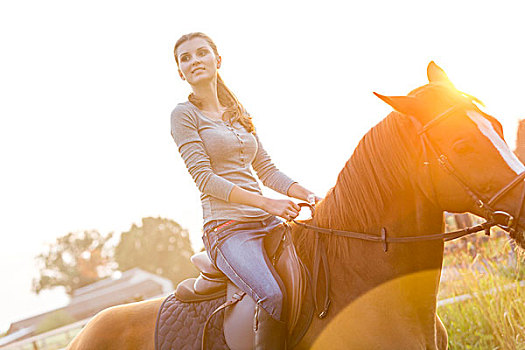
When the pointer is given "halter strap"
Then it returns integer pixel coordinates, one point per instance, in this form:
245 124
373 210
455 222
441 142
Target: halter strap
437 119
507 188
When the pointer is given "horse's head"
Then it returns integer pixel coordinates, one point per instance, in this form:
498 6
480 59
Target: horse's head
465 164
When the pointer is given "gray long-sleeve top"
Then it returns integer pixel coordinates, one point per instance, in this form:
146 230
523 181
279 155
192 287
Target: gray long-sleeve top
218 156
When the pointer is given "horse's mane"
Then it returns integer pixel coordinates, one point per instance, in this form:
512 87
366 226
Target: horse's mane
382 163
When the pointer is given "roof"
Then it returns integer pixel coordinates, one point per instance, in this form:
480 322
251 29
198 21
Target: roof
133 285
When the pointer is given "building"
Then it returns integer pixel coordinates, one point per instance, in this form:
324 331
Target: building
133 285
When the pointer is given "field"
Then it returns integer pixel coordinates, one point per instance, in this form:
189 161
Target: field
482 293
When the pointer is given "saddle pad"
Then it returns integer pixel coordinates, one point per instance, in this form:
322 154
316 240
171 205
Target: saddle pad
179 325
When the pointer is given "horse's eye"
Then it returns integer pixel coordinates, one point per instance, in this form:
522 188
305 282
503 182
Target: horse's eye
462 147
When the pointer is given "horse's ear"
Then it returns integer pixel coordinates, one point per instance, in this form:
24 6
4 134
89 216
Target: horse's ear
404 104
437 75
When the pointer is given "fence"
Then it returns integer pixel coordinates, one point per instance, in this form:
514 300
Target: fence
56 339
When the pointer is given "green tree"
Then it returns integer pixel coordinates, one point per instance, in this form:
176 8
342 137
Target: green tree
160 246
73 261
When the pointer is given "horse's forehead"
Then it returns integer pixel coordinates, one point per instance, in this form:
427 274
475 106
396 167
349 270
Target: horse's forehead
487 129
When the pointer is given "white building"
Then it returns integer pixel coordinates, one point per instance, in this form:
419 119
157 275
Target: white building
133 285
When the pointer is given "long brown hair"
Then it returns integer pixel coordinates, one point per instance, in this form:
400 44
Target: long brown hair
235 112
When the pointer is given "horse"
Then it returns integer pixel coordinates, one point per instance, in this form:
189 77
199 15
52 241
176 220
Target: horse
436 151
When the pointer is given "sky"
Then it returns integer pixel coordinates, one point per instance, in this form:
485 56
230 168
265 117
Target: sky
87 88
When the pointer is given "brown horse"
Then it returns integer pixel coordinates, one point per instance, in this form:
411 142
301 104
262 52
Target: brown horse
437 151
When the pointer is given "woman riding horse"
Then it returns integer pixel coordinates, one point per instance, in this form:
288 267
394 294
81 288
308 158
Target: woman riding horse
216 139
436 152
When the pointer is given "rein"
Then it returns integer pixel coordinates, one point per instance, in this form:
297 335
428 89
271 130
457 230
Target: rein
447 236
498 218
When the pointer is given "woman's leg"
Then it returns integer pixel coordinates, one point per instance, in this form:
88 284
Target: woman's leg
238 251
243 259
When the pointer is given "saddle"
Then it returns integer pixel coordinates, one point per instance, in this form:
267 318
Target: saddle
239 316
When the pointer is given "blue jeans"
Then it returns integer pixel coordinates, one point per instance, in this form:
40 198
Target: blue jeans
237 249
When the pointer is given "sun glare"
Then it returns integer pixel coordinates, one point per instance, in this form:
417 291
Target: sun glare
497 95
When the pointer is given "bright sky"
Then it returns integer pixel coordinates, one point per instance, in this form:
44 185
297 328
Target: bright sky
87 89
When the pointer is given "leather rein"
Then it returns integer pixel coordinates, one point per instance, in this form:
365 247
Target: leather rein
499 218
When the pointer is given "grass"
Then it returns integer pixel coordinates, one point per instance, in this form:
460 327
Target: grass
54 342
494 316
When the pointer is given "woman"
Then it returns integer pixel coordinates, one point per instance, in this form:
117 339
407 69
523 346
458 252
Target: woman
217 140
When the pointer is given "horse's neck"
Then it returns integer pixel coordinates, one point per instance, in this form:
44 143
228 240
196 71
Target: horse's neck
404 279
409 215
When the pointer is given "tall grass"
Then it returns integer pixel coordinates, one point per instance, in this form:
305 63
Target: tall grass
491 315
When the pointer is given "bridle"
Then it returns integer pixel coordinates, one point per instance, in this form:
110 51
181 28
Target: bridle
496 217
503 219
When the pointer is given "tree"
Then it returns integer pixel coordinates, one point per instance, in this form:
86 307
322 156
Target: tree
73 261
160 246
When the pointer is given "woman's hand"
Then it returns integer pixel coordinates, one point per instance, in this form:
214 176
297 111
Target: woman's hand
313 199
284 208
299 192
